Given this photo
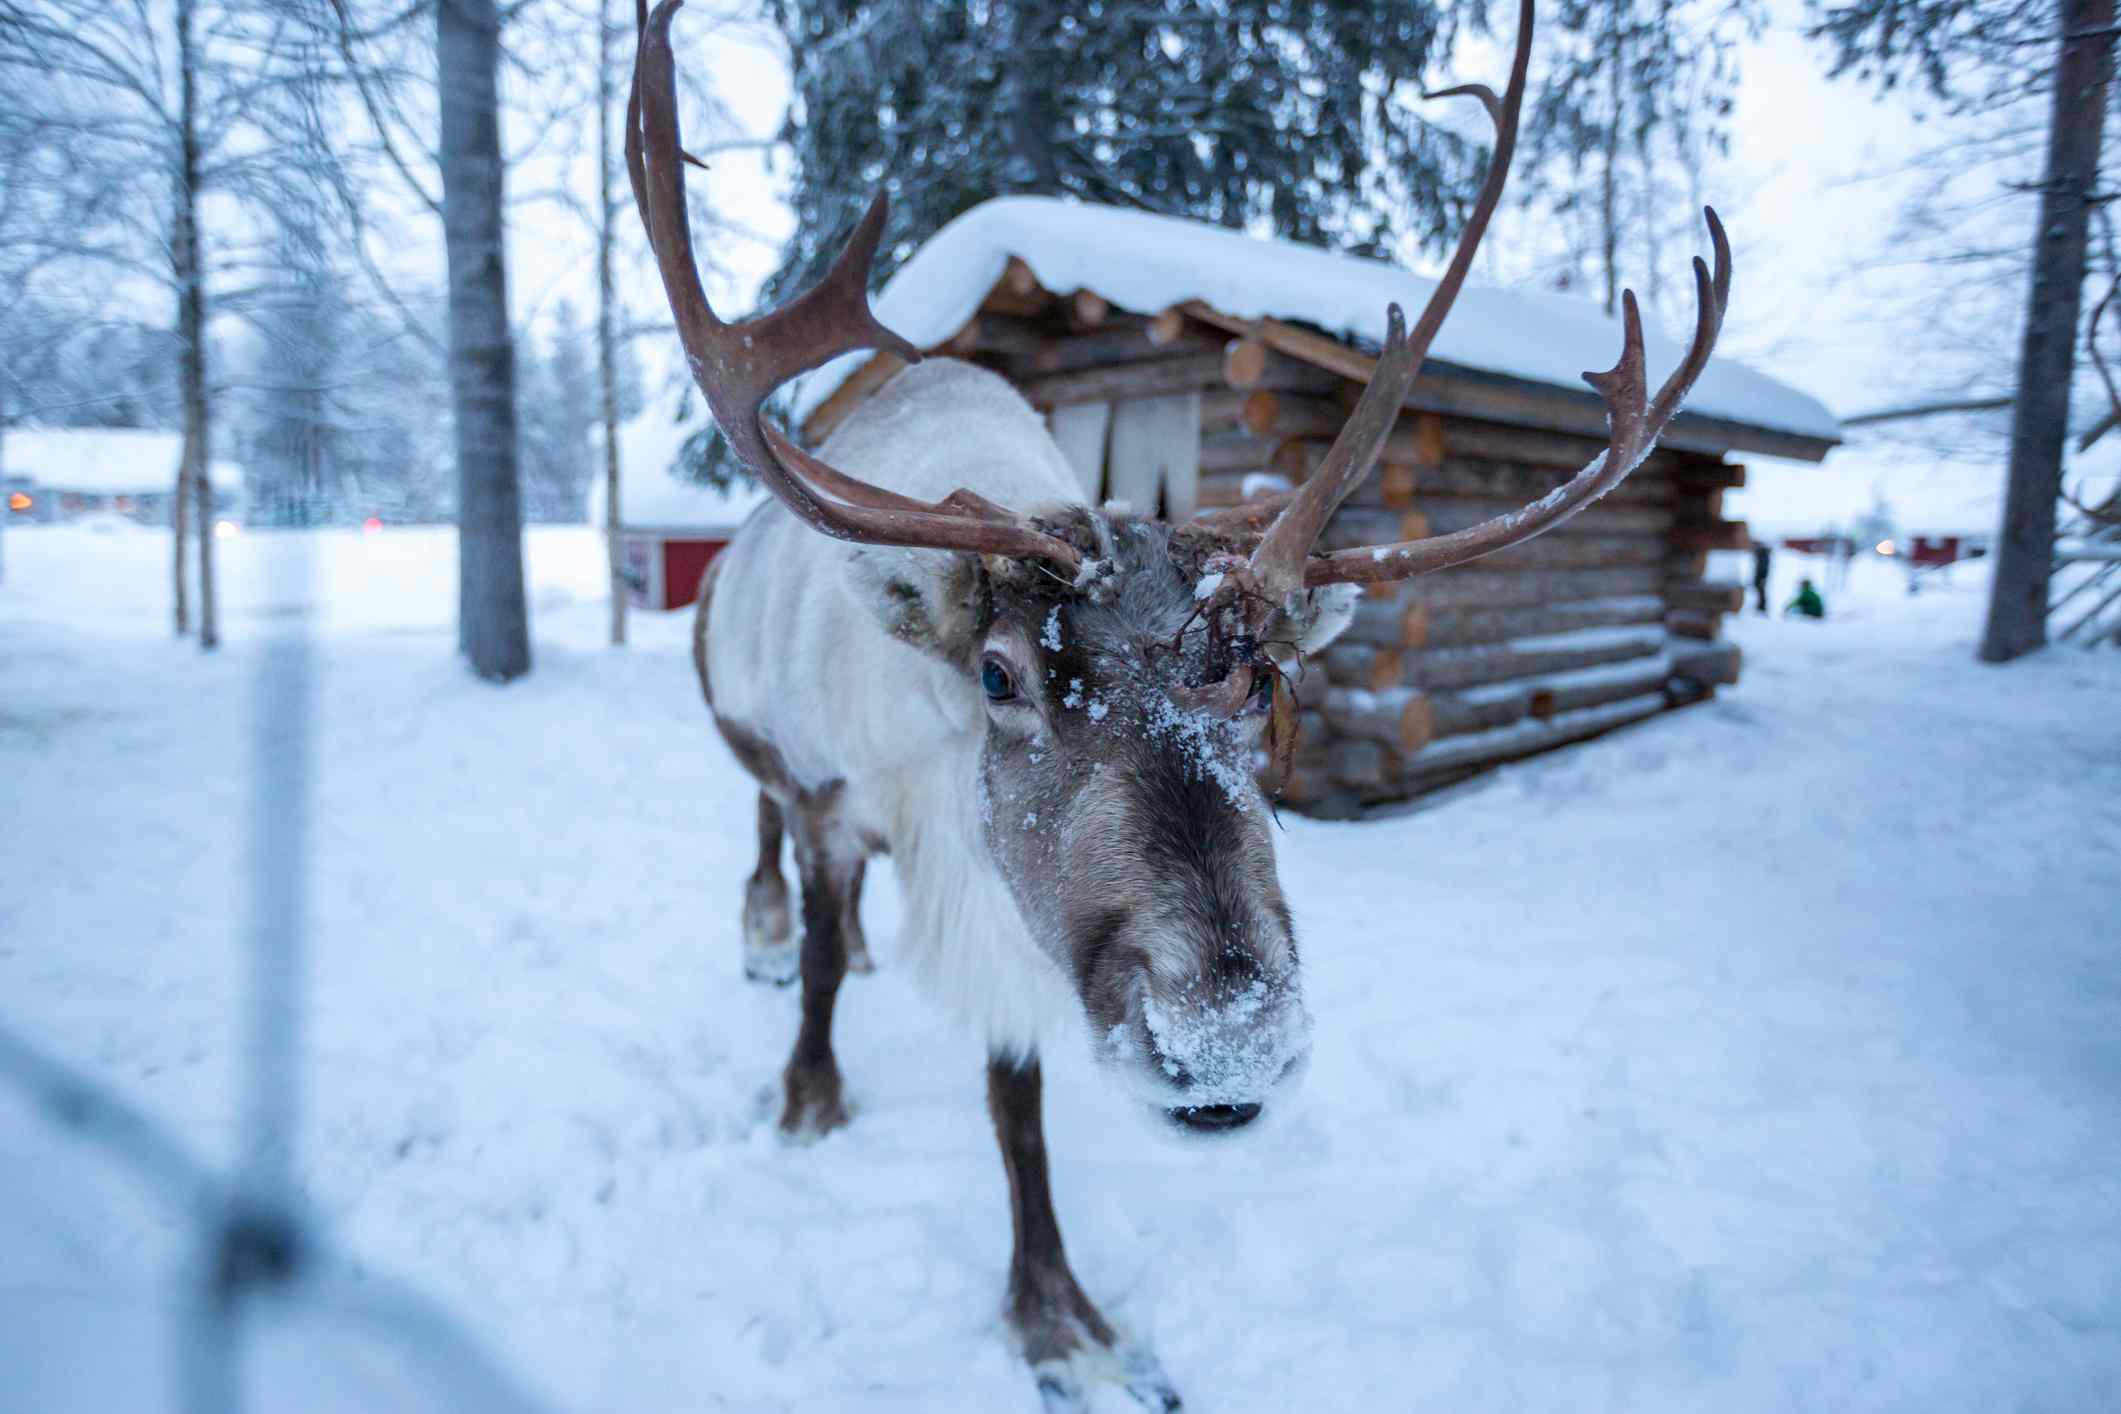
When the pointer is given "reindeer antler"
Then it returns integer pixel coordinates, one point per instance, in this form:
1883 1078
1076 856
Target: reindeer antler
1277 565
738 366
1635 423
1284 559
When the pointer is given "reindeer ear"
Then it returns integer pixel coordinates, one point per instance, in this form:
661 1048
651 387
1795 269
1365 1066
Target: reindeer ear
1319 618
933 600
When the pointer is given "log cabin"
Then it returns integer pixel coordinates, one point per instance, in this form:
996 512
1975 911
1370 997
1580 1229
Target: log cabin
1188 367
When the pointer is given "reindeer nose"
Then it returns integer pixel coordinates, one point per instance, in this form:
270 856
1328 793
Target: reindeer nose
1210 1118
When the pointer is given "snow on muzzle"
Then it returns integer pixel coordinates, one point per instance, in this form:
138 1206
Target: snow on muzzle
1210 1058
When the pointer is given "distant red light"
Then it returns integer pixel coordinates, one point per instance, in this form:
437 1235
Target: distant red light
371 525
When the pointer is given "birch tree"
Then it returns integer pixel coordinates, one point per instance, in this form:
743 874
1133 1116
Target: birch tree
157 115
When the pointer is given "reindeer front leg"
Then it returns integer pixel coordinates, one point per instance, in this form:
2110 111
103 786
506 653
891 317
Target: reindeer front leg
1065 1339
826 860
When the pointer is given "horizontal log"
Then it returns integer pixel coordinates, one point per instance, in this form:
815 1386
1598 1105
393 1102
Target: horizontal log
1714 535
1123 382
997 334
1222 409
1686 564
1388 622
1558 693
1581 552
1435 669
1398 717
1361 763
1531 446
1226 450
1695 473
1278 416
1546 696
1454 755
1511 481
1459 627
1025 349
1479 584
1690 623
1365 665
1710 664
1446 388
1705 596
1391 483
1248 364
1317 349
1460 513
1221 490
1356 526
1458 391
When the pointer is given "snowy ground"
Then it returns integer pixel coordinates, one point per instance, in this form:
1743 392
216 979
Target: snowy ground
1764 1057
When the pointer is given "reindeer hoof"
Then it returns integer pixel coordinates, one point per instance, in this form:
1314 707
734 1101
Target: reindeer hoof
858 959
1063 1384
771 953
774 964
813 1108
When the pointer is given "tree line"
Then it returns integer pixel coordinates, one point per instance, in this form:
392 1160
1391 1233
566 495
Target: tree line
279 227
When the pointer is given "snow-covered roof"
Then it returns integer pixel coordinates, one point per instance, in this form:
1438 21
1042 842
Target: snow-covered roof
1147 263
104 461
650 493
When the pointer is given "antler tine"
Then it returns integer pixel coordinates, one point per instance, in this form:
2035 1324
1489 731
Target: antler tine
1712 294
1635 422
1277 565
739 365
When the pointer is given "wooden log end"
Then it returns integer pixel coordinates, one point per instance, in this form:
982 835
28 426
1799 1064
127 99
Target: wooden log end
1414 626
1417 724
1261 407
1018 279
1712 535
1166 327
1244 362
1428 439
1395 484
1087 309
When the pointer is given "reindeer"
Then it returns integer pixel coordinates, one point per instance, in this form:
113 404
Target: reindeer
1046 713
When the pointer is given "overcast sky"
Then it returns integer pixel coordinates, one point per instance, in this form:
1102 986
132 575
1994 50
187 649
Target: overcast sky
1808 191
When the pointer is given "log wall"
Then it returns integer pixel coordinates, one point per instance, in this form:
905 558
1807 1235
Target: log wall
1602 621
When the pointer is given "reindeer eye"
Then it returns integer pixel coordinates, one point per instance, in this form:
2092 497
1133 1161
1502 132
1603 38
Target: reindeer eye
995 679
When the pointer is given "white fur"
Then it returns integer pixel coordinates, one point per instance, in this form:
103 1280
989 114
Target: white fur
798 653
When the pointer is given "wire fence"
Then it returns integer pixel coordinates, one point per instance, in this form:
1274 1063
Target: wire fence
255 1238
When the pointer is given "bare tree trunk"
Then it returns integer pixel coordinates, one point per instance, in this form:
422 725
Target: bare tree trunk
493 621
202 484
607 352
180 537
191 334
2017 606
1609 190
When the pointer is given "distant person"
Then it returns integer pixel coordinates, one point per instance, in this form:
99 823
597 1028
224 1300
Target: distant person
1808 603
1763 557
